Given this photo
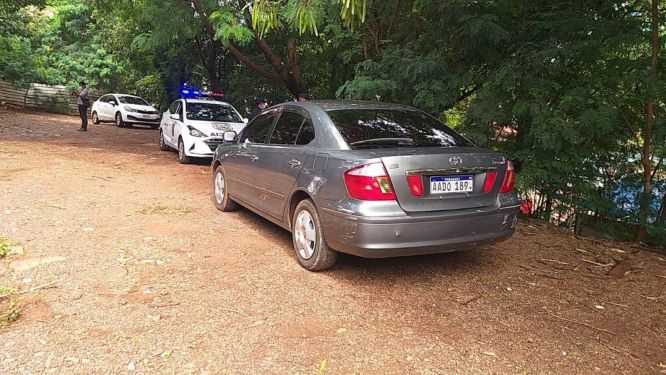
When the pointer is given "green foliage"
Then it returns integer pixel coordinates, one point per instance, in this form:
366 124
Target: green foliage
229 28
5 245
10 315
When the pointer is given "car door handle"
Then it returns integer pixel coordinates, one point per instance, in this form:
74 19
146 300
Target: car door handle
294 163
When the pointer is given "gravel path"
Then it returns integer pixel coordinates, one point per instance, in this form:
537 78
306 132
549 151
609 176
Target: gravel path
148 277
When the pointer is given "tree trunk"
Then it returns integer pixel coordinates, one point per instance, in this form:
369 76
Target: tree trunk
211 66
649 127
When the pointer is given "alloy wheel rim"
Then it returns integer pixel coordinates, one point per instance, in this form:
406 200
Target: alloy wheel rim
219 187
161 140
305 235
181 150
95 117
118 120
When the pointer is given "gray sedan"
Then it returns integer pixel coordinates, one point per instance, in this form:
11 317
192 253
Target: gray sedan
365 178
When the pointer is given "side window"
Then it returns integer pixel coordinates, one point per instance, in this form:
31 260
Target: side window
104 99
112 100
306 134
286 129
256 131
179 110
174 107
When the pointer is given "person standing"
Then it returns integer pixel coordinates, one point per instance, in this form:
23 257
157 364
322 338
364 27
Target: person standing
83 102
259 105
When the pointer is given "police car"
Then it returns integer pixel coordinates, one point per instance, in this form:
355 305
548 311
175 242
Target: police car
195 124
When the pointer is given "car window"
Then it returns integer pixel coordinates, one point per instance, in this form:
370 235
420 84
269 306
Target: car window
132 100
112 99
286 129
306 134
211 112
173 108
104 99
257 129
179 110
380 128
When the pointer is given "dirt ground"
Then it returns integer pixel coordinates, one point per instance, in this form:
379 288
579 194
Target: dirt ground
121 264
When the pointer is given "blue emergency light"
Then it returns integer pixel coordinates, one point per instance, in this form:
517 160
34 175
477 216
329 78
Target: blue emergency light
188 92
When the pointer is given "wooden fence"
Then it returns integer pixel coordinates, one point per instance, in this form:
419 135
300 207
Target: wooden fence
56 99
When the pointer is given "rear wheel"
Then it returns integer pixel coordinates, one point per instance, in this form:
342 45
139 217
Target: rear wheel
311 249
119 120
182 157
95 118
221 191
163 145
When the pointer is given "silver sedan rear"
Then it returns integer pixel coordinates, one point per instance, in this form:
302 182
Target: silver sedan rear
365 178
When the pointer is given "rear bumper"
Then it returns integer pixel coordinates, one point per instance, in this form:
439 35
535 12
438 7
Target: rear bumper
380 237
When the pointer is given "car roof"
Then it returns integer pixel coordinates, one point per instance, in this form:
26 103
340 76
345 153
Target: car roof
133 96
206 101
331 105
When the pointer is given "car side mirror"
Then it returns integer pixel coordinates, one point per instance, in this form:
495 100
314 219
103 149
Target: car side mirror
229 137
113 103
245 120
174 116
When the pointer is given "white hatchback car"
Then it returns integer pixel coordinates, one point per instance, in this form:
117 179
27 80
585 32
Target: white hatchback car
195 127
124 110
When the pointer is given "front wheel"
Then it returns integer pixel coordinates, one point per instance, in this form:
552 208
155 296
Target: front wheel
182 157
95 118
311 249
221 191
119 120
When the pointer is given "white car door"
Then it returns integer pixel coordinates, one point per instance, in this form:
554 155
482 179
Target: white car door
177 124
110 108
100 108
167 120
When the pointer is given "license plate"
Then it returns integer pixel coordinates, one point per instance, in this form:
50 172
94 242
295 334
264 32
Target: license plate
451 184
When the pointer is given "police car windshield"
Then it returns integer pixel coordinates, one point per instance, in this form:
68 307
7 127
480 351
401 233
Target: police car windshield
132 100
211 112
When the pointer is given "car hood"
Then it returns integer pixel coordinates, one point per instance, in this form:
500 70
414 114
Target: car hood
140 107
208 127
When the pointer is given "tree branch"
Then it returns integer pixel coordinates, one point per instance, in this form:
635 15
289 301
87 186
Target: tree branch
393 18
468 93
293 62
272 58
250 64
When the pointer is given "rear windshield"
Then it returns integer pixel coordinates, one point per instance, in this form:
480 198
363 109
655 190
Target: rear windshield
211 112
380 128
132 100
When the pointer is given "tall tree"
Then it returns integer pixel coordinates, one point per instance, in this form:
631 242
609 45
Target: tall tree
648 129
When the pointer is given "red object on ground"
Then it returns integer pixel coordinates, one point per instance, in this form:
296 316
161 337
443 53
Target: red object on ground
526 207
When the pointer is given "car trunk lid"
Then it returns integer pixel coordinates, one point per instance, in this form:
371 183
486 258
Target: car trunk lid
451 179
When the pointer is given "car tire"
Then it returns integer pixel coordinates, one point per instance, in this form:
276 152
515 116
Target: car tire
308 238
221 196
95 118
119 120
163 145
182 157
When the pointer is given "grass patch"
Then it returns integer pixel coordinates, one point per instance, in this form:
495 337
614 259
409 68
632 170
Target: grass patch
10 315
6 291
163 209
5 245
